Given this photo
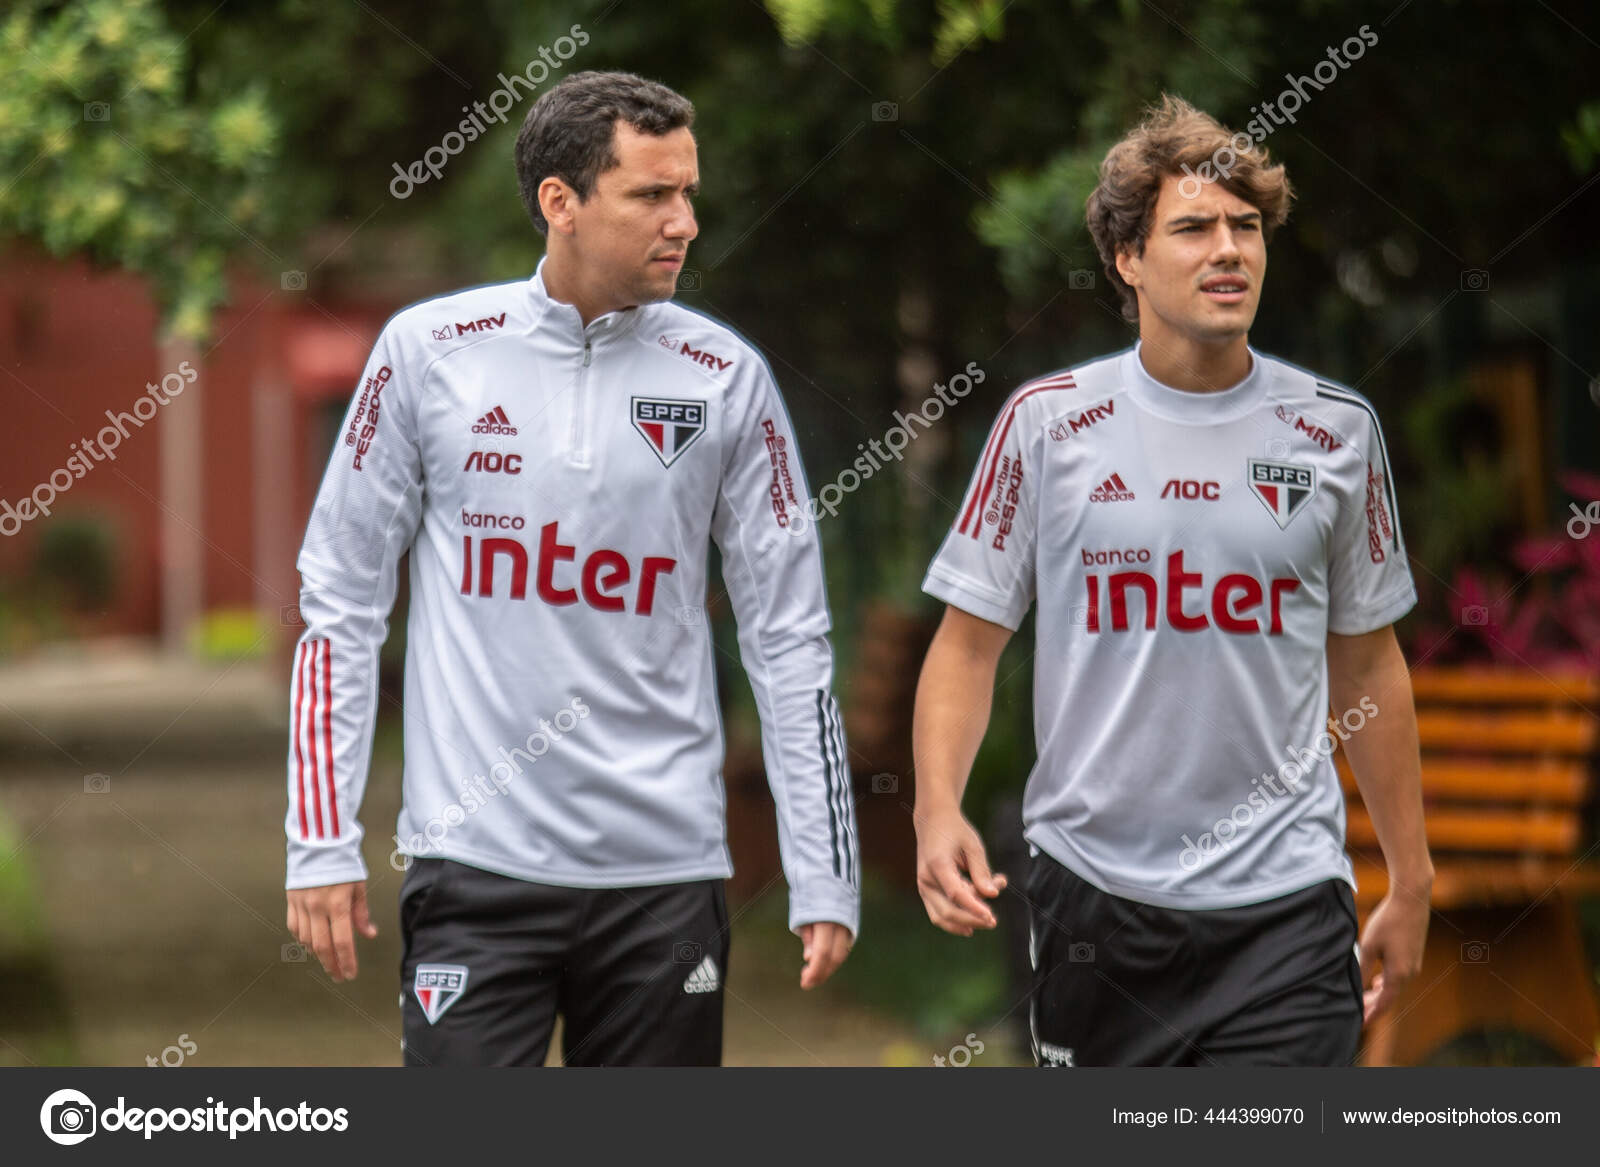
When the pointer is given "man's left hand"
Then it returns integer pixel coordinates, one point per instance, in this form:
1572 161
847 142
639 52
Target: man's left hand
1395 936
825 945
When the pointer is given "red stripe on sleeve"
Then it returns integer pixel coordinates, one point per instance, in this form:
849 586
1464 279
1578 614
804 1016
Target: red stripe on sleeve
327 731
316 784
299 719
992 451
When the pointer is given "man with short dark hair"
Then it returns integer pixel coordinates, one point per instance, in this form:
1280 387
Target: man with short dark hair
558 454
1211 538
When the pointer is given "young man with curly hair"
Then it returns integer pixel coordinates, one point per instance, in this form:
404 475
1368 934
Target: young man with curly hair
1210 536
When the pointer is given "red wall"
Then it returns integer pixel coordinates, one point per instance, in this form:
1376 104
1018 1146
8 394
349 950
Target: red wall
75 342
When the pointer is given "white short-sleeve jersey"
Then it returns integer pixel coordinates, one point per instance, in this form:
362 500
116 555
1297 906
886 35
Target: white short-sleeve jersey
1189 554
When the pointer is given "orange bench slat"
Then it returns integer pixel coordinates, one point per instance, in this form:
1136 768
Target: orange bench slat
1474 780
1567 733
1544 832
1502 687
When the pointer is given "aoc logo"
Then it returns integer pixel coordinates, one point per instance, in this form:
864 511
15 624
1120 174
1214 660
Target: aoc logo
670 426
1283 489
437 987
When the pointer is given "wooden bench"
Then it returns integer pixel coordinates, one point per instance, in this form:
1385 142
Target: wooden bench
1507 779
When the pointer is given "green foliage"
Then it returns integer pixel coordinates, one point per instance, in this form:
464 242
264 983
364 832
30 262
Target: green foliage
75 562
1581 137
228 634
121 152
1459 504
21 926
934 982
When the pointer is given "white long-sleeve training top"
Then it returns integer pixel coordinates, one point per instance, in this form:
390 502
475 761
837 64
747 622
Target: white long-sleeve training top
558 487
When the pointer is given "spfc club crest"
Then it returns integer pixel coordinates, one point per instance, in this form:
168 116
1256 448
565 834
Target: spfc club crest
438 986
1284 489
670 426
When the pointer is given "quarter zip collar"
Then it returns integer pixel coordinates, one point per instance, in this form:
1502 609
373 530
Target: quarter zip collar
562 320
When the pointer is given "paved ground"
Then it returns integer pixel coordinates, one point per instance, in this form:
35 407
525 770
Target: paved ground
163 912
147 793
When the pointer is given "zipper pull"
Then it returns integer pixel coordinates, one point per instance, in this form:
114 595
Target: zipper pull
586 353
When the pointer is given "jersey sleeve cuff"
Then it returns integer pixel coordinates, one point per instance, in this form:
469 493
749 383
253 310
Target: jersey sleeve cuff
966 595
1379 615
321 866
846 911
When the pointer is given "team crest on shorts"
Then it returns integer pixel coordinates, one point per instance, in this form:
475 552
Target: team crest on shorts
670 426
438 986
1283 488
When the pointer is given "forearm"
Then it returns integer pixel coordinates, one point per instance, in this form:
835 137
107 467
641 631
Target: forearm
1385 759
954 698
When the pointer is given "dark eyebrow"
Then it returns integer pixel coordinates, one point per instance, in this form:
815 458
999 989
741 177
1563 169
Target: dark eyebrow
1207 220
659 187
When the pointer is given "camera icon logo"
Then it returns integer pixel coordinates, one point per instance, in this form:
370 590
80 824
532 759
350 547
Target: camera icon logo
67 1117
885 111
686 952
1081 953
1474 279
885 784
688 615
1277 447
1081 280
688 280
1475 952
97 783
294 281
289 616
97 111
292 954
1475 615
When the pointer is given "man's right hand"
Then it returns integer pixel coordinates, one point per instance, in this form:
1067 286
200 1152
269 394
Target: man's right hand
949 849
325 920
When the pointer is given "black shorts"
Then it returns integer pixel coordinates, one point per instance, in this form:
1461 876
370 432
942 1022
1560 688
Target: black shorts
1122 983
488 961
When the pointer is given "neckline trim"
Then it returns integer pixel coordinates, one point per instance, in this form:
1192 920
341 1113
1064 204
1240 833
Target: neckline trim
1192 408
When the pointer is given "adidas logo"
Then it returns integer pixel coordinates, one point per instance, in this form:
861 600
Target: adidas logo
704 978
494 422
1112 489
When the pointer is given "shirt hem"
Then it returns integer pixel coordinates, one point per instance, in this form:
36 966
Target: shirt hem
609 877
1245 897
